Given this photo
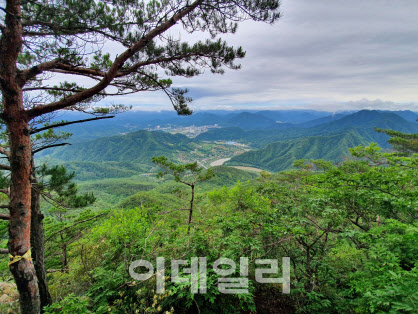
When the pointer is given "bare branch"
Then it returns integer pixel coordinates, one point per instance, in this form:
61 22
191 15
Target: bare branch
70 69
4 216
113 71
49 146
28 74
4 152
4 251
73 225
4 167
67 123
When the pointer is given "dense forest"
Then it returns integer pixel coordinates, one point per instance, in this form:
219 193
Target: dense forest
348 227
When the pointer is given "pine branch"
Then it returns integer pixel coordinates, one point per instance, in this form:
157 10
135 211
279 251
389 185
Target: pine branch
48 146
67 123
4 167
113 71
4 152
73 225
31 73
4 216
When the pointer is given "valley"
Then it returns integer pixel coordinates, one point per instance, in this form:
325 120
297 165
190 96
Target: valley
234 140
257 184
120 166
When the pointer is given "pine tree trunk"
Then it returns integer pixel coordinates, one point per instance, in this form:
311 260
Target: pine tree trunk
64 261
20 158
38 243
20 212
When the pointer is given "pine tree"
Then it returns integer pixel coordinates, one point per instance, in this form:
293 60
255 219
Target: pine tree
405 143
188 174
41 38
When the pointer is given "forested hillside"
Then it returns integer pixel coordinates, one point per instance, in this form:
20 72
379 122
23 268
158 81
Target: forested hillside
274 148
345 225
138 147
348 229
281 155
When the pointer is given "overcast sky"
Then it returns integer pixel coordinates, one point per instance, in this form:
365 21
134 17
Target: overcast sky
324 54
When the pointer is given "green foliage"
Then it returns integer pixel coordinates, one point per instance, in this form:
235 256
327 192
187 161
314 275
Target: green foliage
148 199
69 305
281 155
88 171
56 180
405 143
189 173
136 147
348 228
387 277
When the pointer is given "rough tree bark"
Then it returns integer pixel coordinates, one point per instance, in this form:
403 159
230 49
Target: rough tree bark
20 207
64 260
38 242
190 209
20 160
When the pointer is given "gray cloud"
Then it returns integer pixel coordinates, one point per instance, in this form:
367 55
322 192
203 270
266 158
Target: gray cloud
327 54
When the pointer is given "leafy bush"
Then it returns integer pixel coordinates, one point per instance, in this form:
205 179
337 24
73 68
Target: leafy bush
69 305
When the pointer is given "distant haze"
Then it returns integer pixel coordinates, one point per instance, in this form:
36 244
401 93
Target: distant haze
328 55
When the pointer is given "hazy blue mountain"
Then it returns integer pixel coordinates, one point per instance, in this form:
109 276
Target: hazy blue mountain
122 123
408 115
369 119
138 120
293 116
196 119
365 120
323 120
250 121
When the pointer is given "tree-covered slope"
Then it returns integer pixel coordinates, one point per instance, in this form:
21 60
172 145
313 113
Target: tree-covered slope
138 147
363 121
281 155
89 170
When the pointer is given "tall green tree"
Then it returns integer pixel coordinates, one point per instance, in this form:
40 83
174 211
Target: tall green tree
402 142
43 136
188 174
40 38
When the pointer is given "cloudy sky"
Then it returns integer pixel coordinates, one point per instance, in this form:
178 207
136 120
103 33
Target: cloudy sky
325 54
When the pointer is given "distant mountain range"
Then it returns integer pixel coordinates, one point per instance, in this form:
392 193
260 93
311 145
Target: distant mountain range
363 121
330 141
247 120
279 144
